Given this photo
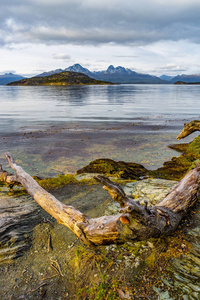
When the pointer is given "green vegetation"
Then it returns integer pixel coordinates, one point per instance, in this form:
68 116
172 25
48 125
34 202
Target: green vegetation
174 169
129 269
60 79
58 181
193 148
177 167
105 290
118 169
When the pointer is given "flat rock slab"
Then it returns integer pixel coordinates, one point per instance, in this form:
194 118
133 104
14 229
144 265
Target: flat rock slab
150 190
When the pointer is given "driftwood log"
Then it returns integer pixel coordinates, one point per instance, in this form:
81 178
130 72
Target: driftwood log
189 128
135 222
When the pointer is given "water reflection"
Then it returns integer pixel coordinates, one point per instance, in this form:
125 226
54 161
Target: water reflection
112 102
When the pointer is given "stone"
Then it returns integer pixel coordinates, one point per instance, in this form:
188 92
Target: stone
119 169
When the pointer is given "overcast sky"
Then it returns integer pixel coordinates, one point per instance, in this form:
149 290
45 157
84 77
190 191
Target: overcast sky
149 36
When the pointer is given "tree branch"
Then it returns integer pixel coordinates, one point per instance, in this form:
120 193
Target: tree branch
136 222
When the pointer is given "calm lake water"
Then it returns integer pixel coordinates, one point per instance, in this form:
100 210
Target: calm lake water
50 130
155 104
67 127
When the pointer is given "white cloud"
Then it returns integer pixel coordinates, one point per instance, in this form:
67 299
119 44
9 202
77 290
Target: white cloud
146 35
101 21
12 25
62 56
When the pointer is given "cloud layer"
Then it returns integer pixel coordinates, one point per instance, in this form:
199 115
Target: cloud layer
152 36
99 22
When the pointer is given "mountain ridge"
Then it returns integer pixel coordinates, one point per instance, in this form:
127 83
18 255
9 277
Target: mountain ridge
193 78
113 75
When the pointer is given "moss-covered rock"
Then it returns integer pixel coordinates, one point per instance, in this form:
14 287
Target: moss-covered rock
194 148
119 169
174 169
177 167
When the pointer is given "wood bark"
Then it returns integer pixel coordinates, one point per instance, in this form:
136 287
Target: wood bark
135 222
189 128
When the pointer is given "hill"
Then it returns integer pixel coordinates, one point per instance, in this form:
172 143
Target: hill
63 78
112 74
9 77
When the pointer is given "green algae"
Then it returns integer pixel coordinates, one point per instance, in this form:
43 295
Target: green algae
118 169
175 169
194 148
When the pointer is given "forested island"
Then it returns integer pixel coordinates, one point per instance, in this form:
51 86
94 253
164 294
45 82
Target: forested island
183 82
63 78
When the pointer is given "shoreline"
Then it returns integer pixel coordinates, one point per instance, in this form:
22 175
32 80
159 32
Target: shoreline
48 150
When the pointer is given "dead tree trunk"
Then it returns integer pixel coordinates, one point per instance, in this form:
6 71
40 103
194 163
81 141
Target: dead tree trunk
189 128
135 222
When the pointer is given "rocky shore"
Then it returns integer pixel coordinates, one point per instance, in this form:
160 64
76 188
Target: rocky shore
40 259
52 264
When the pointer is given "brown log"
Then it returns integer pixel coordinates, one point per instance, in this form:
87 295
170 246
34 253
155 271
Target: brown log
135 222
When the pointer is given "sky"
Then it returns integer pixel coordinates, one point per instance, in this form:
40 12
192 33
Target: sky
147 36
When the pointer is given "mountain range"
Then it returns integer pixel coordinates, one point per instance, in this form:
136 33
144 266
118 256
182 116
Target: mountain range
112 74
115 75
187 78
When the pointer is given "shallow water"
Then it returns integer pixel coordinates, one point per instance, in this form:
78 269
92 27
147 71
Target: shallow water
61 129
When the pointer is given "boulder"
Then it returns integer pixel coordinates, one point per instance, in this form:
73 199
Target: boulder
120 169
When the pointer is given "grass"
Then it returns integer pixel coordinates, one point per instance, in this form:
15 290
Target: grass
56 182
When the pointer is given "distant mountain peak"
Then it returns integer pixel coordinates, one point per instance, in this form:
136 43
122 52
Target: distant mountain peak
78 68
77 65
166 77
110 68
112 74
9 77
118 70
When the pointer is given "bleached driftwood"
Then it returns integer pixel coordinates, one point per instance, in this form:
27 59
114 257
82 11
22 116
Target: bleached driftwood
135 222
189 128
